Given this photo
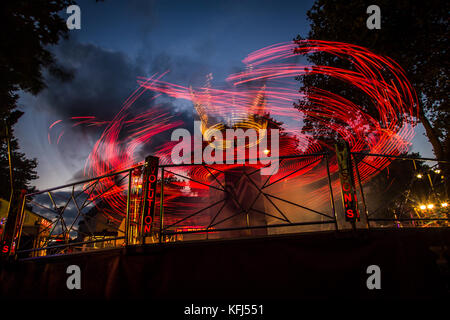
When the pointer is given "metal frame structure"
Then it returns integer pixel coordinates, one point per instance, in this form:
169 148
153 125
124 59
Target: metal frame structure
163 232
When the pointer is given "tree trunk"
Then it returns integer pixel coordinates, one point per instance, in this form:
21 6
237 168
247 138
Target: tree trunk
439 152
438 149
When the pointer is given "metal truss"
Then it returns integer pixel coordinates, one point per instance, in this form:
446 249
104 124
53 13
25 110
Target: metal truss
91 194
407 204
230 196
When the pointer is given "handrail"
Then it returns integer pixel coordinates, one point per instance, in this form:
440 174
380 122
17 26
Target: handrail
165 166
280 225
83 181
69 245
164 230
398 157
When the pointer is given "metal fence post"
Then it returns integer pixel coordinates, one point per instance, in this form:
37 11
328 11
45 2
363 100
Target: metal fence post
127 221
331 191
161 206
20 226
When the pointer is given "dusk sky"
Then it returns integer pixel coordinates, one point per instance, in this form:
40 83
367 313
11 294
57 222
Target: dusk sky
120 41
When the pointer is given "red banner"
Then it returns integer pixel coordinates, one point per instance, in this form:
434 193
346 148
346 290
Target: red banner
149 194
348 189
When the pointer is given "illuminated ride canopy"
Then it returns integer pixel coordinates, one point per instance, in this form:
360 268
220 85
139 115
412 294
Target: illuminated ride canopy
262 96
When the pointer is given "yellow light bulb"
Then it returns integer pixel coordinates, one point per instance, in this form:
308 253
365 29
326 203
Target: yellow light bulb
419 176
444 204
423 207
266 151
430 206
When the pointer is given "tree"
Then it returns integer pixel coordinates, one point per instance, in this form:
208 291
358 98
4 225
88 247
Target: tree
23 168
30 27
413 33
400 192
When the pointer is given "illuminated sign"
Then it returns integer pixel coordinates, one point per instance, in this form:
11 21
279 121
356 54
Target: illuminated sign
348 190
194 229
5 247
45 223
149 193
13 224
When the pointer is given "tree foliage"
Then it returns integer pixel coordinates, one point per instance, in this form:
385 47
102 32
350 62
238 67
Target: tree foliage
23 168
413 33
29 28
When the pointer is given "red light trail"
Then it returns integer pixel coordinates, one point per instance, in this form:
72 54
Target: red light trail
269 74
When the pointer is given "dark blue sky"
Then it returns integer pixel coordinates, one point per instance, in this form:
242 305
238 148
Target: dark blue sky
122 40
217 33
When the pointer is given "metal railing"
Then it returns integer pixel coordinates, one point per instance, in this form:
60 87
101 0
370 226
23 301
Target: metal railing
240 202
402 191
76 217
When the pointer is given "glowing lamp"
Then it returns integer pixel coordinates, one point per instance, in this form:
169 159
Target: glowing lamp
430 206
444 204
419 176
266 151
437 171
423 207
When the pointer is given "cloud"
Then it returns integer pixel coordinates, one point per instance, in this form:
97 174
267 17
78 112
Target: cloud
102 80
